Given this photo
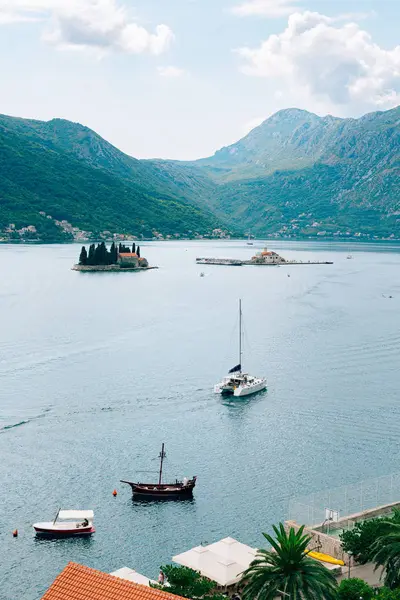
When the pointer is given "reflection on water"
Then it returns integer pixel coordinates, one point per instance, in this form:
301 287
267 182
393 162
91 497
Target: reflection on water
152 501
64 542
235 402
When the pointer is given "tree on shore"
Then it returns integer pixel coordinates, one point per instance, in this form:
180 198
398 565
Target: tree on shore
387 594
360 541
90 259
100 255
113 254
83 256
354 589
138 251
187 583
286 571
386 553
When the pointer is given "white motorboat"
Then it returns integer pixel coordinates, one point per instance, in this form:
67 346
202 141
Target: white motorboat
67 523
238 383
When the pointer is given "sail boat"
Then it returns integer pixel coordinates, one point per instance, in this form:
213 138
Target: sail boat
249 242
179 489
238 383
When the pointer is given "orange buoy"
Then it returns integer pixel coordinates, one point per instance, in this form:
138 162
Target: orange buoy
115 493
15 533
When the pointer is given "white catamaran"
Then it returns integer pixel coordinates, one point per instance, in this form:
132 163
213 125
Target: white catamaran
238 383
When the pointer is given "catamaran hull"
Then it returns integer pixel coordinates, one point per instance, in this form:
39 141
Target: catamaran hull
246 391
240 391
225 391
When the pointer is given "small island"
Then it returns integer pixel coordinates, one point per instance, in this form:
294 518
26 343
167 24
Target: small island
117 258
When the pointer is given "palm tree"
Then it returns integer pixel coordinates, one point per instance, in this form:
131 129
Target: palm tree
386 553
287 571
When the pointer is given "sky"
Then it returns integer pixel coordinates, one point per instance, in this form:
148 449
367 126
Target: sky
180 79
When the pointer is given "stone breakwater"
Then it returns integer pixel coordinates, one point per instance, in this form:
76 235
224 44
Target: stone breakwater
233 262
112 268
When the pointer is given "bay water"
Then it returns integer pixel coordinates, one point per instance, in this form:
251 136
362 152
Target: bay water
98 369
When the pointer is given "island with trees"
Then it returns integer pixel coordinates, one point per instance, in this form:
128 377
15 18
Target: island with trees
117 258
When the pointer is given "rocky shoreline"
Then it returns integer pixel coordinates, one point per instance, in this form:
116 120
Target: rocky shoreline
112 268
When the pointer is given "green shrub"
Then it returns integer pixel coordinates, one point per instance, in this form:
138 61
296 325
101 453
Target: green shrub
359 540
185 582
387 594
354 589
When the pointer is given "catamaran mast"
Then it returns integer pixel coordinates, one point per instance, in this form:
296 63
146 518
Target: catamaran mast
240 335
161 456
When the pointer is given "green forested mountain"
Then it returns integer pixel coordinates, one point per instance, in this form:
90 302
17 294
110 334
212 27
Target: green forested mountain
300 174
295 175
69 172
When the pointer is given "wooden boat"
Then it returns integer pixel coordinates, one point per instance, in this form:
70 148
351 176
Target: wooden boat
67 523
177 490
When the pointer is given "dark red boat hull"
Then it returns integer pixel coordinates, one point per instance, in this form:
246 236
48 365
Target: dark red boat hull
162 491
64 533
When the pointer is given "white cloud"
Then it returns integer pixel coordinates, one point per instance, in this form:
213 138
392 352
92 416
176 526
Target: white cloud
99 25
266 8
170 71
337 64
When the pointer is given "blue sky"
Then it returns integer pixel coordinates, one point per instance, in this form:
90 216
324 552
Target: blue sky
182 78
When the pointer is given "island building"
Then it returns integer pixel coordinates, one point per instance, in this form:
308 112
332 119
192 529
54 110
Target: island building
131 260
267 257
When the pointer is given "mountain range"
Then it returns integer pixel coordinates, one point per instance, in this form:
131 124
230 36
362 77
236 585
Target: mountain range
61 171
295 175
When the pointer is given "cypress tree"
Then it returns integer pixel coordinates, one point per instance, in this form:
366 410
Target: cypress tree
97 255
113 254
120 248
103 254
91 257
133 248
83 256
138 251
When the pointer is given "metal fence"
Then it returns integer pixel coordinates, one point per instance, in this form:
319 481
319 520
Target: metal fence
346 500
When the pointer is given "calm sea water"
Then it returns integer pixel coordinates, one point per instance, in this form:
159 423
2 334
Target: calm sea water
97 370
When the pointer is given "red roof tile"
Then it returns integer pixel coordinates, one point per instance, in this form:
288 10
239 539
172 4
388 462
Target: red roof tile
127 254
77 582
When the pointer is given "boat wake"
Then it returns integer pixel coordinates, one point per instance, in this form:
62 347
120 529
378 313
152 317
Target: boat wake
6 428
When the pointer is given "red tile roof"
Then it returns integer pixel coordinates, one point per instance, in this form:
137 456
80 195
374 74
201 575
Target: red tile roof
77 582
127 254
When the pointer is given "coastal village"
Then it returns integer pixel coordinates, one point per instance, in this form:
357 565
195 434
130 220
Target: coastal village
29 233
71 233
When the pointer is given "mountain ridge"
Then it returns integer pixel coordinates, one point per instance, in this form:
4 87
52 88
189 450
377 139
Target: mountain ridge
353 164
297 174
68 172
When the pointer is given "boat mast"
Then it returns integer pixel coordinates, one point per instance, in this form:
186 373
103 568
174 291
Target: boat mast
58 512
161 456
240 334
